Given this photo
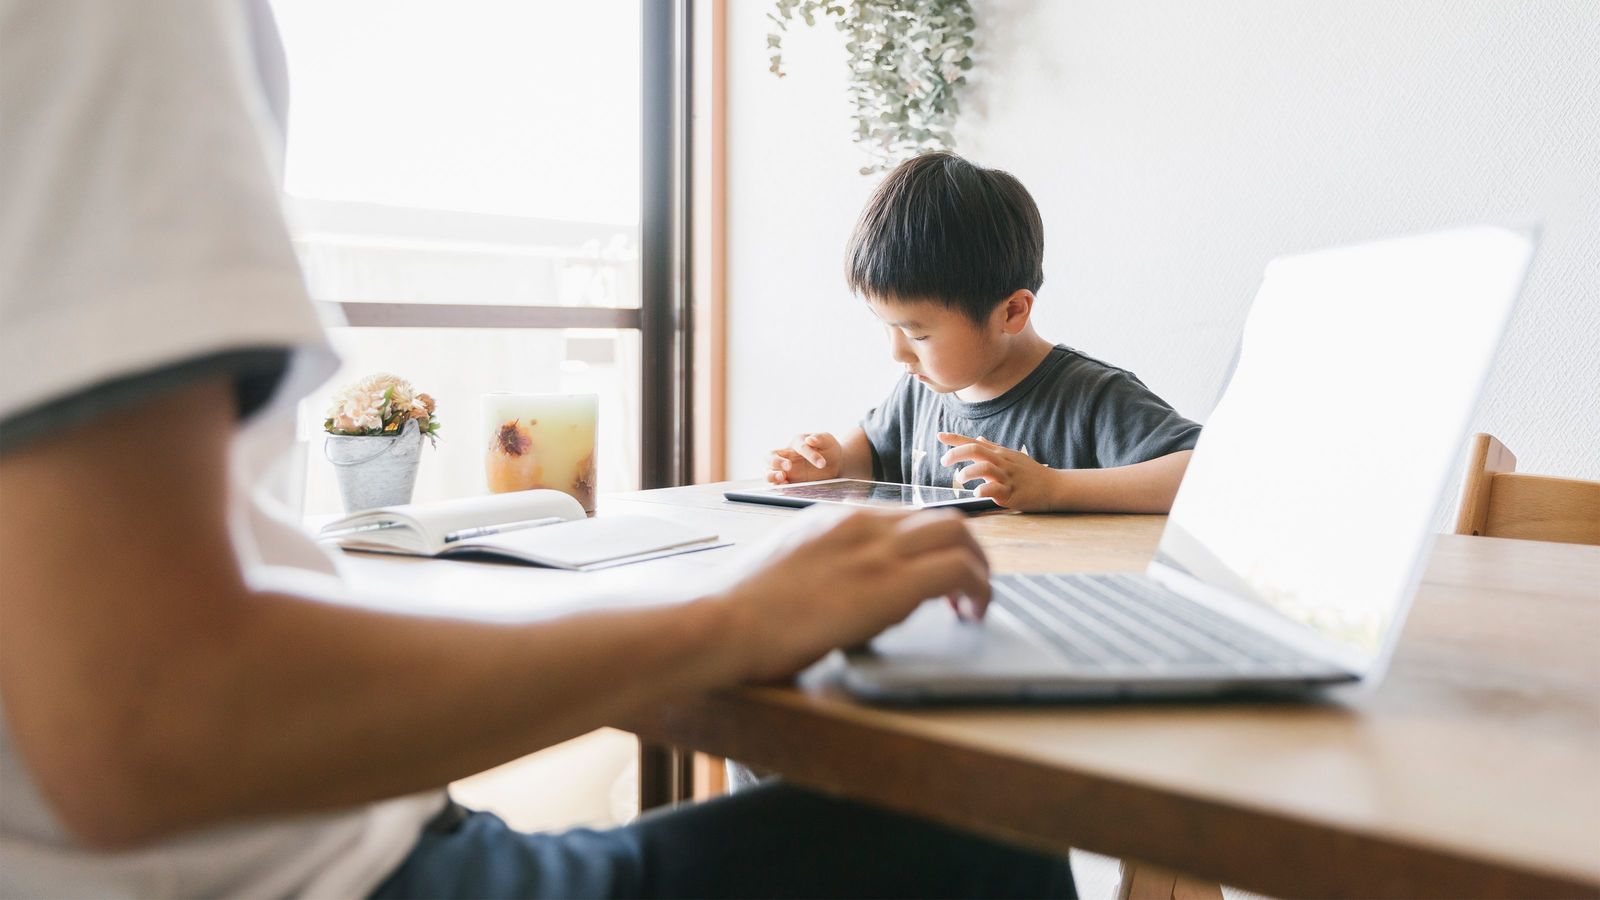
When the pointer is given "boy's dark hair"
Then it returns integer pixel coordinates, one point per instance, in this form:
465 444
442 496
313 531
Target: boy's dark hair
944 230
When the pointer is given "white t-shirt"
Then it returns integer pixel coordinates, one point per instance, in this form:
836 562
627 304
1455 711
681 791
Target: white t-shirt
141 245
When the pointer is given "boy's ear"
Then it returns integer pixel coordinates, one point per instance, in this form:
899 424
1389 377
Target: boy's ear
1014 311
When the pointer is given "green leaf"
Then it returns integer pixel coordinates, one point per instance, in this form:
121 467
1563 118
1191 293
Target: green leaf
897 54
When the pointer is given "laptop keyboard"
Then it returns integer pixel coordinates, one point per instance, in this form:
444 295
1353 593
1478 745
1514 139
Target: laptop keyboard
1123 621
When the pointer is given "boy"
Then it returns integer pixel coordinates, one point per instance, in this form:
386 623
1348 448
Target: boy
949 256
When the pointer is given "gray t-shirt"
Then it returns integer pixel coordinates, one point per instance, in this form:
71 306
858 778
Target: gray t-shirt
1070 412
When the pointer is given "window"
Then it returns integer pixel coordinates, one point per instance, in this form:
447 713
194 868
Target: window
463 185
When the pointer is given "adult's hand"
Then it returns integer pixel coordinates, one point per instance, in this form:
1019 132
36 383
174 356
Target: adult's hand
837 580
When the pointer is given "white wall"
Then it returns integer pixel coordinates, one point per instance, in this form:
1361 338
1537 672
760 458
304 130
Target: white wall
1174 148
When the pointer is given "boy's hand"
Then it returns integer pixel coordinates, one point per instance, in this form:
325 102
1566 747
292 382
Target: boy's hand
816 456
1012 478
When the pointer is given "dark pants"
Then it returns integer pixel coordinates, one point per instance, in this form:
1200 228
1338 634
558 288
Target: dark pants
770 841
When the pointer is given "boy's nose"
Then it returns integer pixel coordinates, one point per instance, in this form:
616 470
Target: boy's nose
900 348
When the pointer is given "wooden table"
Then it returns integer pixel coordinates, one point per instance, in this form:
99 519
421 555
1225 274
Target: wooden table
1473 770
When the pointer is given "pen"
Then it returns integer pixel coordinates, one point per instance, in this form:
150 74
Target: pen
465 533
357 529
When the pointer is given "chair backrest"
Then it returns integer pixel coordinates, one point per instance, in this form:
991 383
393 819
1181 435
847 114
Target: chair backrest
1498 501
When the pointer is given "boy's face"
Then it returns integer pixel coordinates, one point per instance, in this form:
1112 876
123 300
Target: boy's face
940 347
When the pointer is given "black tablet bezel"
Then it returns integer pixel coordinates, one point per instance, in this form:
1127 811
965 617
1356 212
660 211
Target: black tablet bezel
774 496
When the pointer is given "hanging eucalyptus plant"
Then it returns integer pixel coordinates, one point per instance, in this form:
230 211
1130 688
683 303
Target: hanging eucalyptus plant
907 59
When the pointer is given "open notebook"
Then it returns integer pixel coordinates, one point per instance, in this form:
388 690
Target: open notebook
540 527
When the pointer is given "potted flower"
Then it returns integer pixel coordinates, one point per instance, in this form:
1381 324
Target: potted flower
375 430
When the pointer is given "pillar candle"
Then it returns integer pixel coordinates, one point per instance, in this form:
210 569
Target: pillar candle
541 441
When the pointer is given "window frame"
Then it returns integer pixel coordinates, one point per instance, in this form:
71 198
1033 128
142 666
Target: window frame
664 315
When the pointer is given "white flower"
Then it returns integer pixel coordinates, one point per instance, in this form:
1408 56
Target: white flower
376 383
355 410
363 409
347 425
383 381
373 402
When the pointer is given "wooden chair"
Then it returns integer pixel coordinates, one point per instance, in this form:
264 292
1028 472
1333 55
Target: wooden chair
1498 501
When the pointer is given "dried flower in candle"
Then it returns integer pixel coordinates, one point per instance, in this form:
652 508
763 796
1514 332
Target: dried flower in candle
583 482
512 464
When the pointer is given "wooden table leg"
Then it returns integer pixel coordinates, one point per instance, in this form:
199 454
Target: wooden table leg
666 776
710 776
1142 881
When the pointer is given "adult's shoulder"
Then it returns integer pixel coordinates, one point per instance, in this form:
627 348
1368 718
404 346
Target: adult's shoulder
140 227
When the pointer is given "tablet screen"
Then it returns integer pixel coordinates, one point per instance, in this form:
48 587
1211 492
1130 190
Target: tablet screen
864 493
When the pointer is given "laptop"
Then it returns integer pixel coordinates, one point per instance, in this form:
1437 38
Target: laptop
1304 520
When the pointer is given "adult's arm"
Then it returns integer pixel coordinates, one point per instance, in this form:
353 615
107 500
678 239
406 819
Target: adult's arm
150 691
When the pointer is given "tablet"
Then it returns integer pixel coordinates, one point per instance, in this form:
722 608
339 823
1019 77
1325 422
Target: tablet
854 492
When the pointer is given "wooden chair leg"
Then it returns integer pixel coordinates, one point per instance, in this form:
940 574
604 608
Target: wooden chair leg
1142 881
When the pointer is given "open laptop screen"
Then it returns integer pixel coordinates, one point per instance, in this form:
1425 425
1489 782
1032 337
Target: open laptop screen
1314 484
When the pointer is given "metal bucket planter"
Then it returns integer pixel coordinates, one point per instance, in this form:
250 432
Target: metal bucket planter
376 470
